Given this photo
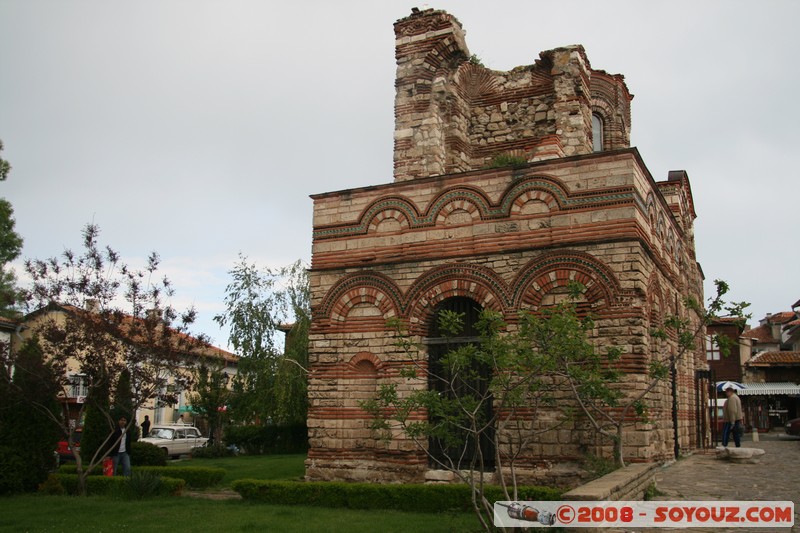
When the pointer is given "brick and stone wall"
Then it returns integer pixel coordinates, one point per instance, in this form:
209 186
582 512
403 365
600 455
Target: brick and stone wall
453 114
506 238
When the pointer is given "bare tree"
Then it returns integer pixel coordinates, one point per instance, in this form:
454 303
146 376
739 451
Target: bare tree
96 317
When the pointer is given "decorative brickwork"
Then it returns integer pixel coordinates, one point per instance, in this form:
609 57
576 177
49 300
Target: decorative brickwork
507 238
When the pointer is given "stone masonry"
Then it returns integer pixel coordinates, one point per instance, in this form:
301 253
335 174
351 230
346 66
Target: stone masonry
507 238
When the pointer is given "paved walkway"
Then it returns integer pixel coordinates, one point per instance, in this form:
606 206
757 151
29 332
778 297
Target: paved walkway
704 477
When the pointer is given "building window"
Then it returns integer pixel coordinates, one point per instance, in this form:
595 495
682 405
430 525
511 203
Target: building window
78 386
597 133
712 350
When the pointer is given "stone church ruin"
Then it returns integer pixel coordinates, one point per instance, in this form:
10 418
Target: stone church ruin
579 204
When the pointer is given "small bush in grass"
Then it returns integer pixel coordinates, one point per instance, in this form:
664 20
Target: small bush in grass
52 486
213 451
146 454
140 485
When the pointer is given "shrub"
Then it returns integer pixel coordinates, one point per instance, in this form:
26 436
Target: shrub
29 434
13 467
96 426
507 160
418 498
198 477
213 451
107 484
52 486
597 466
146 454
72 468
141 485
258 440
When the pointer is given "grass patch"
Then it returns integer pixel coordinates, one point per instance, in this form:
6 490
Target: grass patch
101 513
652 492
254 466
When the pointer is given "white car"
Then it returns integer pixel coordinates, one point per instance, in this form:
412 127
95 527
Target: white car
175 440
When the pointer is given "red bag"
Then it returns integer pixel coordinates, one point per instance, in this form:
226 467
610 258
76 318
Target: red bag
108 466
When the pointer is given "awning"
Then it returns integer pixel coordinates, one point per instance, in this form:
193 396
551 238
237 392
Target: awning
765 389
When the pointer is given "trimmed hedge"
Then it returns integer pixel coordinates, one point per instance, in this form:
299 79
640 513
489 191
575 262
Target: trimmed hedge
197 477
106 484
406 497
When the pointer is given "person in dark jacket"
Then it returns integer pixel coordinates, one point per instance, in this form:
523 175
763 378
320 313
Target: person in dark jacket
145 426
121 447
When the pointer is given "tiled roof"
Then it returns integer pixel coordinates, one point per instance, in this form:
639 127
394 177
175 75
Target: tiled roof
761 334
781 318
726 320
180 340
775 359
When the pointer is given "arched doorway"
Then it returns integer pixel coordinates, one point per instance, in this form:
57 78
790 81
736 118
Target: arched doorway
455 445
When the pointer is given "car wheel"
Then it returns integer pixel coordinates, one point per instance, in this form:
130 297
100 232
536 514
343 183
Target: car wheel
166 452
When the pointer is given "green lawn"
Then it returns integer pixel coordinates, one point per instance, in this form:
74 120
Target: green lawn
254 466
106 514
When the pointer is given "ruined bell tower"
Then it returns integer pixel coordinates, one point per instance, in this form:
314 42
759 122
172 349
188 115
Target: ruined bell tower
452 114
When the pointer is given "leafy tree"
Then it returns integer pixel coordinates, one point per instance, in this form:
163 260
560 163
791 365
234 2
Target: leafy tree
5 166
10 248
269 385
97 422
210 396
29 436
484 400
516 382
123 403
98 317
684 332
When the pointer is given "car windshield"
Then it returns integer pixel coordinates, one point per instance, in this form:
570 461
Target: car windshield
160 433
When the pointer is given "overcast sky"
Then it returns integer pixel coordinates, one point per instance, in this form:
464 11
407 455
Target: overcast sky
198 129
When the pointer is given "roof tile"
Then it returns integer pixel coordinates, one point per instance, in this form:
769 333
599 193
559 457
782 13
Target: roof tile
775 359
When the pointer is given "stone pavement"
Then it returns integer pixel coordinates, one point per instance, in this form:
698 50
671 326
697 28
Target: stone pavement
702 476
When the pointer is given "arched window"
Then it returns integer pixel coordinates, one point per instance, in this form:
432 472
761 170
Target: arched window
454 377
597 133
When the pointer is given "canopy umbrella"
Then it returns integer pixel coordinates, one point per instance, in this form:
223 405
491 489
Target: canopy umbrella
723 385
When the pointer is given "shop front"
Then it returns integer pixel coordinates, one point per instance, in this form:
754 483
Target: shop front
767 406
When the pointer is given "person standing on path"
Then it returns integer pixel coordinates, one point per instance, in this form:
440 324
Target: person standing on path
733 418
